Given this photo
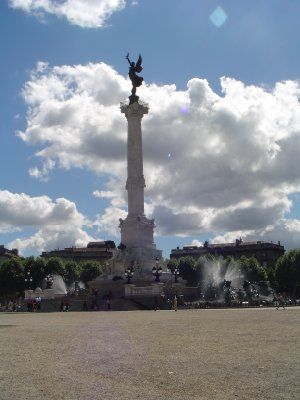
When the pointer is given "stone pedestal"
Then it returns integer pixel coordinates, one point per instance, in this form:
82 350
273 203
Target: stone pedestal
155 289
38 292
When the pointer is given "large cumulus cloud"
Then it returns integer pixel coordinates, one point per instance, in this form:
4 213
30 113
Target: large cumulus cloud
214 164
84 13
57 223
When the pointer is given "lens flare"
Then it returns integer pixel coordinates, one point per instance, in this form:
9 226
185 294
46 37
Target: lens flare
184 109
218 17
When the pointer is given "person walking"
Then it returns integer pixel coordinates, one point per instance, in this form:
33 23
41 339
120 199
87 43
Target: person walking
38 303
275 301
175 303
280 302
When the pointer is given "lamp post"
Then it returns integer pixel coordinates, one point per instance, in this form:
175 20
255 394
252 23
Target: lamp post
157 270
28 280
129 273
49 281
175 272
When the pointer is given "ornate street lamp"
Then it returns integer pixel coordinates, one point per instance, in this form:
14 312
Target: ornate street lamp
157 270
28 280
49 281
175 272
129 273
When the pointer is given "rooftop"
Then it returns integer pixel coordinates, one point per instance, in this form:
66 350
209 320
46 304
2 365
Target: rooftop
237 243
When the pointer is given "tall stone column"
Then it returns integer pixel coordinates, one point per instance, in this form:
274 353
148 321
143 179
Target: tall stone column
136 229
135 178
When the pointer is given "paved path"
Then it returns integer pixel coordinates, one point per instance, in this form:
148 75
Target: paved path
192 354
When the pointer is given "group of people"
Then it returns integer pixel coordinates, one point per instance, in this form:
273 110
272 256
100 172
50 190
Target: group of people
11 305
279 301
34 304
64 305
96 299
174 303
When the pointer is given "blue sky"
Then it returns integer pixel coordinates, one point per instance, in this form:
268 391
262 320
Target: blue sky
257 45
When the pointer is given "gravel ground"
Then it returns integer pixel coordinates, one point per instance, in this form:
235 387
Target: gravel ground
192 354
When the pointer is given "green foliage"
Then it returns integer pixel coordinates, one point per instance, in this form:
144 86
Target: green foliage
287 272
12 277
200 266
187 270
90 270
172 264
54 265
36 269
270 270
251 269
72 272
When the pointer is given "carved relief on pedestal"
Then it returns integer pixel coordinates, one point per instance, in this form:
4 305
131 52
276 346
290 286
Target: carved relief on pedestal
137 231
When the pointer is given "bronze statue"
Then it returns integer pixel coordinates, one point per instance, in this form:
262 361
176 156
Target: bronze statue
135 79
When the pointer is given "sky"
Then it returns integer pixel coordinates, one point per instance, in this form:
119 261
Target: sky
221 141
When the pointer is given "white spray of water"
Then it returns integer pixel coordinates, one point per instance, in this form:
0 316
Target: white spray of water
215 271
59 285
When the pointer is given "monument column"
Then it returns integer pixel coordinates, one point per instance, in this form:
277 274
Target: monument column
135 178
137 230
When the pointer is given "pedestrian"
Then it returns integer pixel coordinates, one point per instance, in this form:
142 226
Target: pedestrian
174 305
66 304
281 302
38 303
275 300
10 305
108 303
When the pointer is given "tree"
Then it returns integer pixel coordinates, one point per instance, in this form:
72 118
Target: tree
12 277
287 272
252 270
90 270
187 270
54 265
36 269
172 264
72 272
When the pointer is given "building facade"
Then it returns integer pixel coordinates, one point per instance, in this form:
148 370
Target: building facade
6 254
267 253
95 251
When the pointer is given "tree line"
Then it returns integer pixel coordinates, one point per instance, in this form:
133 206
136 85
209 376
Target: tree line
284 276
15 270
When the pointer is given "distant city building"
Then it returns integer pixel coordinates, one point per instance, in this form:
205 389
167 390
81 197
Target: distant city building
6 254
267 253
96 251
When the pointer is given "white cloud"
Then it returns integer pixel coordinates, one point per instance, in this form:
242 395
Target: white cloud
109 220
58 223
49 238
196 242
212 163
84 13
43 173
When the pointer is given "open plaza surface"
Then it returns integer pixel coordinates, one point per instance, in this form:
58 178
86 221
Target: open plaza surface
191 354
